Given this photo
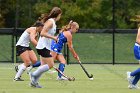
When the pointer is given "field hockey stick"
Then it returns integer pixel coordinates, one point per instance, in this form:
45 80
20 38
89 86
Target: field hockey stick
89 76
69 78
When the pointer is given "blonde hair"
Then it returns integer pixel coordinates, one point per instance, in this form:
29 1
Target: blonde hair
68 27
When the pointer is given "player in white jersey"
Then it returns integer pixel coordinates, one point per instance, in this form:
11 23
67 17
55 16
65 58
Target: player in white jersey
44 45
23 49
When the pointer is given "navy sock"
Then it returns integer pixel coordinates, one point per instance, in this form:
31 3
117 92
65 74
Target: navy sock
61 68
136 79
37 64
136 72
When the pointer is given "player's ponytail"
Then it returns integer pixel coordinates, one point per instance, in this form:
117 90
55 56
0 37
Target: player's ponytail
53 14
66 27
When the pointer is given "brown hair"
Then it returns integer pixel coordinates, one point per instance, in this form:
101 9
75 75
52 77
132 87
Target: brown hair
37 24
53 14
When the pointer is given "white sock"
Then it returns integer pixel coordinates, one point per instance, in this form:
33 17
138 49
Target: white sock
20 71
20 65
40 71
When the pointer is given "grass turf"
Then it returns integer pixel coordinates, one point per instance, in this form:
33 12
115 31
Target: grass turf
91 48
107 79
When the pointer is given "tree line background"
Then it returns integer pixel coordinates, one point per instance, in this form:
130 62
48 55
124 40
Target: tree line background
90 14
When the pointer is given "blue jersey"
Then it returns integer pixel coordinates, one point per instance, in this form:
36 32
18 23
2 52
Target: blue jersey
137 51
57 47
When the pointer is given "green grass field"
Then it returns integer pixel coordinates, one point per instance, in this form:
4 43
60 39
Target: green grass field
91 47
107 79
97 48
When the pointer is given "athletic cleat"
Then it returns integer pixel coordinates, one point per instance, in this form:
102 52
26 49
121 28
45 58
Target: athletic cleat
58 78
32 85
32 78
133 87
18 79
38 86
34 82
16 68
35 85
62 78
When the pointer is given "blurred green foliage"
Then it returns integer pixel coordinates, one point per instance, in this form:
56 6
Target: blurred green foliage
88 13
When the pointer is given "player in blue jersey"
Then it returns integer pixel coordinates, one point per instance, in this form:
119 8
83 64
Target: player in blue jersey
133 77
65 36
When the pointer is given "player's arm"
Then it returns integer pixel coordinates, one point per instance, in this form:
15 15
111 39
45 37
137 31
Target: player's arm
36 37
138 36
33 37
70 45
48 25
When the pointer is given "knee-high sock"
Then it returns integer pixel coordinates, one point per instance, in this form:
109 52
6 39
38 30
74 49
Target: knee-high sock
40 71
37 64
20 65
61 68
136 72
20 71
136 79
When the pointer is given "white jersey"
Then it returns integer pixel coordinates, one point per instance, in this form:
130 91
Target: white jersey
44 42
24 39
